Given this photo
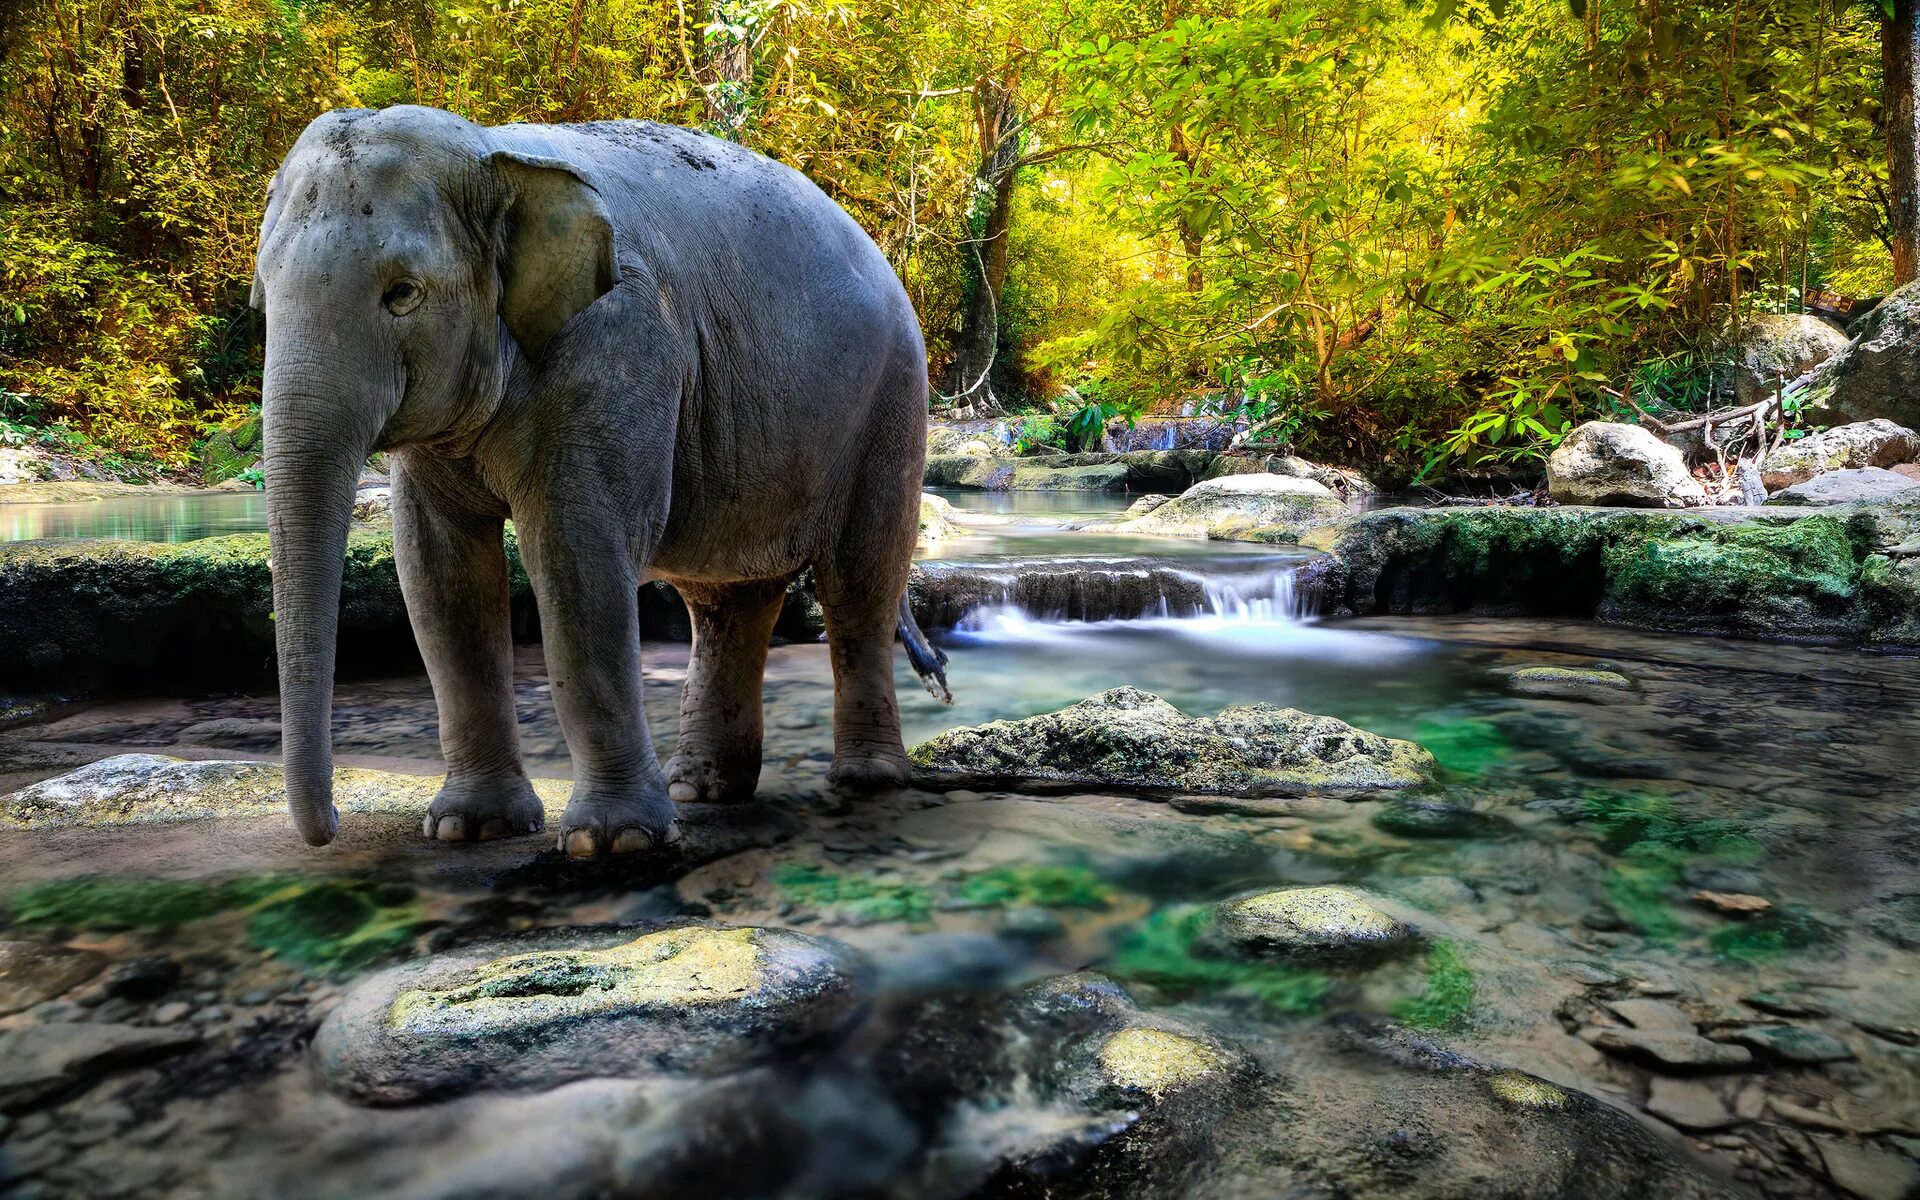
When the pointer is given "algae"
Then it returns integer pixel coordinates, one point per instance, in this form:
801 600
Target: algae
1448 997
852 896
1166 950
1035 887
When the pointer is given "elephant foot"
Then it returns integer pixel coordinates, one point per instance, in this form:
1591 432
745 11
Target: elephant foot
591 828
695 778
478 810
868 770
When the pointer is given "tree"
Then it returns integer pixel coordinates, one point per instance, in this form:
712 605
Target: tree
1899 55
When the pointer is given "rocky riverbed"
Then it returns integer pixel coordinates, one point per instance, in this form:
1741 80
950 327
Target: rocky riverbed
1651 939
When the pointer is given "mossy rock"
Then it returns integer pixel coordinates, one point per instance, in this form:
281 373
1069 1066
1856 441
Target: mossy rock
694 999
1570 683
1225 505
1127 738
1312 924
230 449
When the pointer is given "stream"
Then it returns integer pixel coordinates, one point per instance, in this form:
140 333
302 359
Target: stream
1577 855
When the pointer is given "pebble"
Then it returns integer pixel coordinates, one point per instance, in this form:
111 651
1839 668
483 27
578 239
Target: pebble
209 1016
254 999
171 1013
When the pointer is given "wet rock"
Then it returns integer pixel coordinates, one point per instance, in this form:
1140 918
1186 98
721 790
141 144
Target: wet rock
1663 1034
141 789
1848 487
1144 505
233 733
31 974
1312 923
1689 1104
1260 500
1434 819
1569 683
38 1062
1868 1172
1878 443
936 519
1155 1062
1024 475
1790 1043
1603 463
562 1006
146 978
1130 739
1785 1004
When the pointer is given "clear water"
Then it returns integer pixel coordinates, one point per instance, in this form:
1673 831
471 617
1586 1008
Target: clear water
179 517
1785 773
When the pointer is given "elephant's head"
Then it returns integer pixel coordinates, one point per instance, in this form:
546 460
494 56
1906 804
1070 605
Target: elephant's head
406 261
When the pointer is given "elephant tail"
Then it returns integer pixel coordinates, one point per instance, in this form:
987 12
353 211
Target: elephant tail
928 662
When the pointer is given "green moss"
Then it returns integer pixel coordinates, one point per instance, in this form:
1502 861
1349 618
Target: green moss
853 896
1035 887
1759 577
335 926
1164 950
103 904
1449 993
1768 937
1655 845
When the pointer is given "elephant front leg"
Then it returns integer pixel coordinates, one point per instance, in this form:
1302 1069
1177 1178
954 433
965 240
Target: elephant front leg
718 757
590 621
453 574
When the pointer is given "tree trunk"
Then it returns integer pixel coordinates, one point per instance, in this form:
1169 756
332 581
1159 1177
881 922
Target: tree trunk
727 62
1899 48
967 385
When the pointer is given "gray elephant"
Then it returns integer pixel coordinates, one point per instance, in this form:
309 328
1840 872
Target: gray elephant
662 356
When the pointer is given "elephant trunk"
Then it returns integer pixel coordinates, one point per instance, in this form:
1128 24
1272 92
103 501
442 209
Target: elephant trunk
313 453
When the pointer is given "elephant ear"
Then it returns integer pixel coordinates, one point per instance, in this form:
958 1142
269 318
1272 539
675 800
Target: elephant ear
257 299
557 256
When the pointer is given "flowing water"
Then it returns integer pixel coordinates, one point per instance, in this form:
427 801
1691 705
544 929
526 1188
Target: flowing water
1734 838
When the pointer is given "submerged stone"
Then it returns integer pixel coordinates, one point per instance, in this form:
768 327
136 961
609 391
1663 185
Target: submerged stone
1127 738
1791 1043
1433 819
1569 683
1327 923
141 789
692 999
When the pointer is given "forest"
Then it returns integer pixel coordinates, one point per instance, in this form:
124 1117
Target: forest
1421 233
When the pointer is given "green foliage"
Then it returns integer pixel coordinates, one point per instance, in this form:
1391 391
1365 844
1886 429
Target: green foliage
1166 951
1448 997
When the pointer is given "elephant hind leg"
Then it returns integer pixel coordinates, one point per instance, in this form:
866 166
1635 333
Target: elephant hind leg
718 756
860 592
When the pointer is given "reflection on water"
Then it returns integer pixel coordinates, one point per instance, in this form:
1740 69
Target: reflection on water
1061 505
179 517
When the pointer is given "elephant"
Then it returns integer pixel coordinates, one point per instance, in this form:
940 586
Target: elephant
659 354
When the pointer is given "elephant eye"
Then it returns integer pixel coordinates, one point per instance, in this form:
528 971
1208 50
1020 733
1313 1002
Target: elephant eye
403 297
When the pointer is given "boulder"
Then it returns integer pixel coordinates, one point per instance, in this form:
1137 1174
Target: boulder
22 464
1263 500
1133 740
1603 463
1847 487
936 519
1320 924
230 449
1875 443
683 1000
1776 348
1878 373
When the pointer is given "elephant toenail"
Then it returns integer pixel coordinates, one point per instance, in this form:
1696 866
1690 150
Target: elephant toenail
632 841
672 836
494 828
683 792
453 829
582 844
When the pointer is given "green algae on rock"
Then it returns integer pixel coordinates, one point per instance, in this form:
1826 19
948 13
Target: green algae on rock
1312 923
1526 1091
1127 738
685 1000
139 789
1156 1061
1569 683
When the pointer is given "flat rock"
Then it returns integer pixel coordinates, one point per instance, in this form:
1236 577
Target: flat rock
38 1062
1689 1104
1253 499
1569 683
1133 740
32 973
1869 1173
1790 1043
1663 1034
567 1005
142 789
1312 923
1847 487
1875 443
